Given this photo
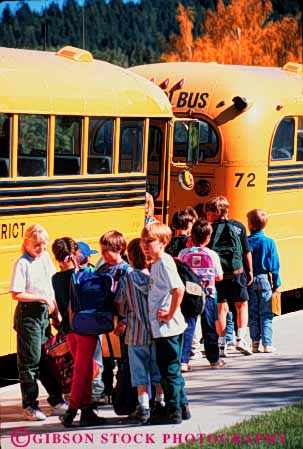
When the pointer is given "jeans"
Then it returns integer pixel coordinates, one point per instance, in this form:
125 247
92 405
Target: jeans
143 365
208 318
168 350
188 339
259 307
229 328
97 383
32 326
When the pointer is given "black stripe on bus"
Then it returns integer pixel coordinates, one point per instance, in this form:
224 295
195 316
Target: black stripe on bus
282 187
70 199
71 207
16 183
285 167
285 180
71 189
286 173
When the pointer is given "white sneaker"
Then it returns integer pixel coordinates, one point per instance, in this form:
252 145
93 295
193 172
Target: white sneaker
60 409
33 414
243 346
269 348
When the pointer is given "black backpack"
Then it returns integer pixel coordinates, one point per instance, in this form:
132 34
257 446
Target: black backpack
227 244
193 302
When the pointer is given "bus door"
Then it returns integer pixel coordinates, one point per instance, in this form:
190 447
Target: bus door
163 143
158 166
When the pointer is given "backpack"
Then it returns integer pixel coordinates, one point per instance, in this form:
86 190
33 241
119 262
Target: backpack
176 245
124 395
202 265
93 302
193 302
227 244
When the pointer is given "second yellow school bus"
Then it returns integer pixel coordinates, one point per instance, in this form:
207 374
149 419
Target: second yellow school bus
250 123
74 134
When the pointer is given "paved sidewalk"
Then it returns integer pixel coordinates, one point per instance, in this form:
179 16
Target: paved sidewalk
249 385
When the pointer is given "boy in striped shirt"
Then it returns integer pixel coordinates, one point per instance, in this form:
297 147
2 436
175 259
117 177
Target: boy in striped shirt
131 302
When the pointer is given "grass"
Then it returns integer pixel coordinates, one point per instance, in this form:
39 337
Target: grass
280 429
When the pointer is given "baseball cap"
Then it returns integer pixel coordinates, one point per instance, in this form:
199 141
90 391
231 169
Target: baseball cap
85 249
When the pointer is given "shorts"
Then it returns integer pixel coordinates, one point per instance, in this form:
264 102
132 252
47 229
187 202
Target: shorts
143 365
234 290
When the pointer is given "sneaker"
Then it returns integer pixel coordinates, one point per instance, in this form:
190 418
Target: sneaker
243 347
174 417
269 348
255 347
89 418
219 364
69 416
140 416
184 368
196 356
158 410
33 414
60 409
223 350
185 412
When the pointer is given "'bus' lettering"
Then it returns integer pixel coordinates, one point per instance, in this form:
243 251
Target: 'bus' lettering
191 99
12 230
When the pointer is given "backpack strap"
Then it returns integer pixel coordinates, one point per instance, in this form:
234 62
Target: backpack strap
218 232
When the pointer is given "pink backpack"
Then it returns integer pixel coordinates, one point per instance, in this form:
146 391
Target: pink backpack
202 265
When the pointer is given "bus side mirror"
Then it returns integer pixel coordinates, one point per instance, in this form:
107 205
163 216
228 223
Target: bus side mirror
193 142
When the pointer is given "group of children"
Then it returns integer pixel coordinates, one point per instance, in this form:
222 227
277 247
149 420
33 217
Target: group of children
148 295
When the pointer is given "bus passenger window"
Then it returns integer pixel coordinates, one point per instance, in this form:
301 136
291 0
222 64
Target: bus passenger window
300 140
68 141
131 146
32 145
283 143
154 169
100 146
5 125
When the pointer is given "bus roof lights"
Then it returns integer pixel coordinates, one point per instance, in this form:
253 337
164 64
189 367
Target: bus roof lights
164 84
240 103
293 67
76 54
279 107
179 85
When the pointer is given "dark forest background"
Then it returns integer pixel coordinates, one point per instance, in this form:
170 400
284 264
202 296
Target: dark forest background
123 33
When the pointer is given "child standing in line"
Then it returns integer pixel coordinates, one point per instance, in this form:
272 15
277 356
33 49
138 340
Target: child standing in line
31 286
131 301
113 246
206 264
81 347
167 322
84 254
265 264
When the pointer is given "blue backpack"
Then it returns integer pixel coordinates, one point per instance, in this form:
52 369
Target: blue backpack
93 302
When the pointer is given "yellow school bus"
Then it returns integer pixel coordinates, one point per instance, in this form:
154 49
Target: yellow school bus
74 134
250 122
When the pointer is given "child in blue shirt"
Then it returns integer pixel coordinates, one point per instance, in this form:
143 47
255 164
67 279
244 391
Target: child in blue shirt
266 267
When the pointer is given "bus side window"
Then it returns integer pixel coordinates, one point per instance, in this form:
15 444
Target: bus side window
283 142
100 146
32 145
68 138
5 124
131 146
300 140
